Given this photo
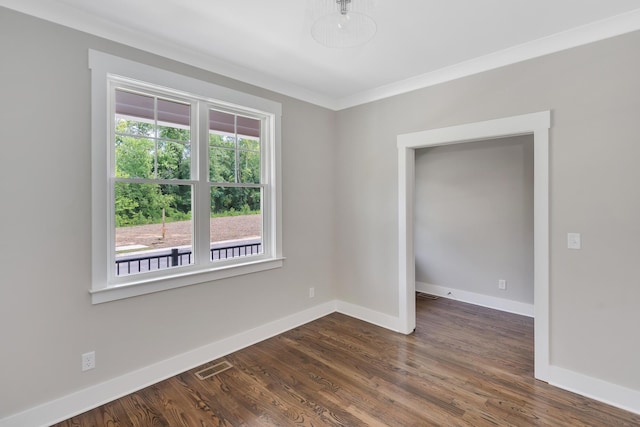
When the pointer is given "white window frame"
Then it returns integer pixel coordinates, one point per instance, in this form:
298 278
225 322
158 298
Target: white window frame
107 69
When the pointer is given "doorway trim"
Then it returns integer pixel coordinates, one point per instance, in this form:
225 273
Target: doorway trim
538 125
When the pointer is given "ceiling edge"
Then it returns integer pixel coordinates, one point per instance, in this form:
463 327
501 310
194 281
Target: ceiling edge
70 17
599 30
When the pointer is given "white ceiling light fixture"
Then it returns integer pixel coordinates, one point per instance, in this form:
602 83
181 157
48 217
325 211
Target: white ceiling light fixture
344 23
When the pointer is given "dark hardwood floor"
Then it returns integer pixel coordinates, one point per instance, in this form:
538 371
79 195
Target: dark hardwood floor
464 366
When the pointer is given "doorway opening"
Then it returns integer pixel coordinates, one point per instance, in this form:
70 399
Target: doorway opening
536 124
473 228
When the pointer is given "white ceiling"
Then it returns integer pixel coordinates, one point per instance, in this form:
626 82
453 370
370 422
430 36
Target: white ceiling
418 42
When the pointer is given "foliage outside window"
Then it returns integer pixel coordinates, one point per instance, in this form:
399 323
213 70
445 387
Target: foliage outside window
191 181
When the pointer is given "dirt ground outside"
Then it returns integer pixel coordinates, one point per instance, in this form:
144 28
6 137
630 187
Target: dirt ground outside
179 233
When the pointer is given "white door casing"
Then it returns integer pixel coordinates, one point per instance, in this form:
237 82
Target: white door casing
537 124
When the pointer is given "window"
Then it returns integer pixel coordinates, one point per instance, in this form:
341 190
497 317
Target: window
185 180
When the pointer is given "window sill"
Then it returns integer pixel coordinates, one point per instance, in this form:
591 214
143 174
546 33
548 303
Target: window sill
143 287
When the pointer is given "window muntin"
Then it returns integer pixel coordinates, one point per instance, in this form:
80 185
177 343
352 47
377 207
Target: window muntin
152 146
153 219
234 148
236 184
155 126
153 152
160 85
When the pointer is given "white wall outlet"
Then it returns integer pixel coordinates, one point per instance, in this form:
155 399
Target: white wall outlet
88 361
312 292
502 284
574 241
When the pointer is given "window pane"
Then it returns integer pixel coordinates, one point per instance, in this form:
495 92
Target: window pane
222 123
222 164
249 144
220 140
236 222
174 160
127 126
248 127
134 157
176 134
249 167
153 227
174 120
135 105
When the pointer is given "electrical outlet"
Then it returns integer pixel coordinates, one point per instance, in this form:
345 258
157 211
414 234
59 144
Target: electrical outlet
88 361
574 241
502 284
312 292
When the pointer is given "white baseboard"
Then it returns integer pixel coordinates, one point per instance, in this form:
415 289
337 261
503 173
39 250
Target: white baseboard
606 392
367 315
477 299
91 397
99 394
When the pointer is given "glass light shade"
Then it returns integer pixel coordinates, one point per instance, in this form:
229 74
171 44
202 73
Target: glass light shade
343 30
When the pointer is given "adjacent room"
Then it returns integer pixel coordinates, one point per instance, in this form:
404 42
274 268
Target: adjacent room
319 212
485 258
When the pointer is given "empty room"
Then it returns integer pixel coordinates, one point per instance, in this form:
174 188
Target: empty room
418 213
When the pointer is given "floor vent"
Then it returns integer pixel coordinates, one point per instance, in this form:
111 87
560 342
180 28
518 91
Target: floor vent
426 296
213 370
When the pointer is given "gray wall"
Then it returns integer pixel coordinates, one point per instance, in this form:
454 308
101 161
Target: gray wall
593 93
46 317
474 217
340 194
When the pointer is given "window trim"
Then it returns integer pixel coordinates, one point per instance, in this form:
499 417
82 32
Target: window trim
104 67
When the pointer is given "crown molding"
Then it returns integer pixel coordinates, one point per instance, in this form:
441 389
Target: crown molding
596 31
70 17
64 15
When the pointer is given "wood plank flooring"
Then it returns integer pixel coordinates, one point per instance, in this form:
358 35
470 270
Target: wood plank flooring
464 366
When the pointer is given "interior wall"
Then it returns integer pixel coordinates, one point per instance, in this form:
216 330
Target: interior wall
46 317
474 217
592 93
340 174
